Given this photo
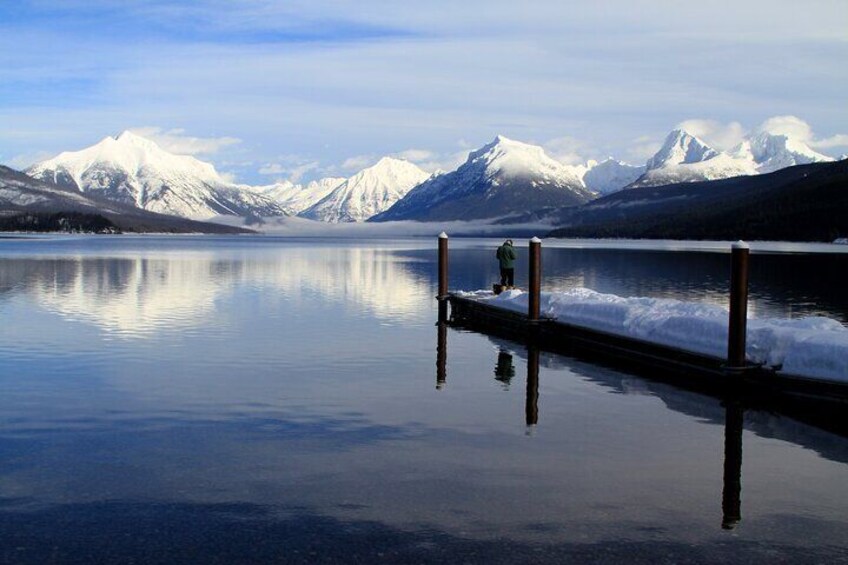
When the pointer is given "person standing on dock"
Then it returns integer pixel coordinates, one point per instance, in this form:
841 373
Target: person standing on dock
506 258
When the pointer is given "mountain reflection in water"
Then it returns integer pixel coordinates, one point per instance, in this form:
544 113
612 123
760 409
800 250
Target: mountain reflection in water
134 297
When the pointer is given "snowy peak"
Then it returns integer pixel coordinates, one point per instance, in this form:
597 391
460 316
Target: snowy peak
773 151
501 178
681 148
134 170
685 158
507 158
128 153
296 198
368 192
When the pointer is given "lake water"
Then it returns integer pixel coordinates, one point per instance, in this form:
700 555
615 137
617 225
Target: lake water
250 399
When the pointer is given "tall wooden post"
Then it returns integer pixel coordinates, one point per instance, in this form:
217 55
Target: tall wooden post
442 297
535 278
738 321
443 266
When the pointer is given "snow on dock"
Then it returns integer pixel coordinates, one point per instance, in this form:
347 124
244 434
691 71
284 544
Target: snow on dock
815 347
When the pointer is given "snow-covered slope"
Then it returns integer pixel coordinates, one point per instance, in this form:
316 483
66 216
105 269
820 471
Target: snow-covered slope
610 175
685 158
368 192
501 178
295 198
134 170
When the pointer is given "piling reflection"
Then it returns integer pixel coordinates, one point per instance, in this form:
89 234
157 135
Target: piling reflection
731 500
441 354
531 405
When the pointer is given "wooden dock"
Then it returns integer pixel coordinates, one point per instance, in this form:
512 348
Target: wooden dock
821 400
818 402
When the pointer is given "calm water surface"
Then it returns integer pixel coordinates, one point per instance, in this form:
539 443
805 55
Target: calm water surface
261 399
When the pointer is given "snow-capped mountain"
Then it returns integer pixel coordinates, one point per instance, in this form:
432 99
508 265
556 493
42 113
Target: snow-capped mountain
134 170
680 148
295 198
610 175
772 152
501 178
31 204
368 192
686 158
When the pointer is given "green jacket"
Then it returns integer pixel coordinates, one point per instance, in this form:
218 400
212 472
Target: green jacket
506 256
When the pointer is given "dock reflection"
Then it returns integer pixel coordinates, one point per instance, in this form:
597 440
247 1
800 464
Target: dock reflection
504 372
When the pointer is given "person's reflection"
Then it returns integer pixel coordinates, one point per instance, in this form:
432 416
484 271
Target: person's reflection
731 499
531 406
504 370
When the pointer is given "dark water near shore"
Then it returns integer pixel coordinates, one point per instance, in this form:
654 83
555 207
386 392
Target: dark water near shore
258 399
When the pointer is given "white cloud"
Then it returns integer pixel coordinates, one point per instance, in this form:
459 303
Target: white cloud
716 134
431 162
272 169
176 141
23 161
291 167
795 127
297 173
642 149
568 150
358 162
790 126
416 155
838 140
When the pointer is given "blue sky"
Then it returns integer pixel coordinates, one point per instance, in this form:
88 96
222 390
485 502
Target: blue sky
267 89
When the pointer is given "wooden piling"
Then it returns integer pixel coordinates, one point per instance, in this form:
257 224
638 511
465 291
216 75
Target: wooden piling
443 266
535 279
738 319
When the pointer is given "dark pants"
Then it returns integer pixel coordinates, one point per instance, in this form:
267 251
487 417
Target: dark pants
507 277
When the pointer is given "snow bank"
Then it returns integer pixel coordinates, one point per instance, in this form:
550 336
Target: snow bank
813 347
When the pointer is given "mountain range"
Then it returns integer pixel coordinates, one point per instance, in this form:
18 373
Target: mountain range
686 158
799 203
503 178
